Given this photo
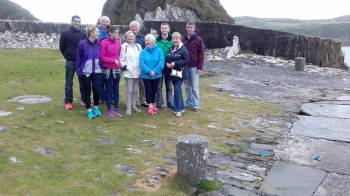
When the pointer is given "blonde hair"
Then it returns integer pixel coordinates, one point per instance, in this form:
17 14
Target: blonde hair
90 29
128 33
176 34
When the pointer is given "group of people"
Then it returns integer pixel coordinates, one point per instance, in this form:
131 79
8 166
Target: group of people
99 58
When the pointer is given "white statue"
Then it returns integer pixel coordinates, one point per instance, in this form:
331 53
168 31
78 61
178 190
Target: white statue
234 49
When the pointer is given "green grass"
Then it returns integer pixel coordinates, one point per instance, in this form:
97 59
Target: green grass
209 186
39 71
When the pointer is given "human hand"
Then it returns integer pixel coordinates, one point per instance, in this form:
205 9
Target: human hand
116 62
152 73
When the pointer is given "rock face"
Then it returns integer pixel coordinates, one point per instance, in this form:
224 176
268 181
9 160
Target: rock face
12 11
122 11
317 51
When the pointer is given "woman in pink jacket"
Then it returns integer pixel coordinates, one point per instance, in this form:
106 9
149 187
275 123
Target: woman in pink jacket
110 52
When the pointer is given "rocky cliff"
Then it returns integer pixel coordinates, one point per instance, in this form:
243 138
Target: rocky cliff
122 11
12 11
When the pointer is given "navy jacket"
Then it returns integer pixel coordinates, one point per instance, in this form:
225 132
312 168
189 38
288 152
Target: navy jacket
181 58
140 39
69 41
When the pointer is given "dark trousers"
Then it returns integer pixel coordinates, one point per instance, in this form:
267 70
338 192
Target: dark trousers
93 81
68 88
112 85
151 86
169 91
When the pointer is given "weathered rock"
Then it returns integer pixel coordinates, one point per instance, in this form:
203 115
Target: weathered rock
122 12
3 129
290 180
44 151
192 157
301 150
152 143
4 113
326 110
134 150
105 141
334 185
125 169
300 63
322 128
30 99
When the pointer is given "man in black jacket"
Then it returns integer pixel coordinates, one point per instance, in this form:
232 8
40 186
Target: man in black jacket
69 41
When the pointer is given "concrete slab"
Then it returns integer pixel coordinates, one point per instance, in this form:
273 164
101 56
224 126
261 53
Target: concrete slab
326 110
322 128
292 180
334 185
301 151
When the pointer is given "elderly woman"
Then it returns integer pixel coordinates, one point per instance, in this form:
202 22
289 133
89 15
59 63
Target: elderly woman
176 60
129 59
89 70
152 63
105 22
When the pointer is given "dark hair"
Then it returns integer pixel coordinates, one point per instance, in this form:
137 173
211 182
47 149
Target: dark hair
74 17
111 28
191 23
165 24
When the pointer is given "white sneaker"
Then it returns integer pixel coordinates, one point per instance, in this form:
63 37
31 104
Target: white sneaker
178 114
135 109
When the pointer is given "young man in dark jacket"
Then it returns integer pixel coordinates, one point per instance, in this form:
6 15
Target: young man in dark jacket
195 46
68 44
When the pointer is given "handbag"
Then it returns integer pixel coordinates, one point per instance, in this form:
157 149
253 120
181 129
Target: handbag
176 73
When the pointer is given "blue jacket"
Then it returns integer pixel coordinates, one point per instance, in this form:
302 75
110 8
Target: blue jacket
151 59
140 39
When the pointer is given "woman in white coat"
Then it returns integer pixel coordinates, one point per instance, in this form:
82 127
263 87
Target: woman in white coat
129 59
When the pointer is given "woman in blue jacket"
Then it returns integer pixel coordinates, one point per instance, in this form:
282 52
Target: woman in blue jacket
152 63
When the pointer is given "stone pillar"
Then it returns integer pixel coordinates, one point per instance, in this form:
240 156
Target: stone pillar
192 158
300 63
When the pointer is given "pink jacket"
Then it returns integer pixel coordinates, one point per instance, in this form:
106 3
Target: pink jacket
109 52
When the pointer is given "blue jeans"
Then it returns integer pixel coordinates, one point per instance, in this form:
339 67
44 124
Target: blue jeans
68 88
178 99
112 86
169 91
192 88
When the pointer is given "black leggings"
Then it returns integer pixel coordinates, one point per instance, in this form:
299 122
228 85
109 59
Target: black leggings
94 81
151 86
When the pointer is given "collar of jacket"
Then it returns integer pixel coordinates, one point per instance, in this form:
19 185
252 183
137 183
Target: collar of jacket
160 38
77 30
151 49
193 37
92 43
180 45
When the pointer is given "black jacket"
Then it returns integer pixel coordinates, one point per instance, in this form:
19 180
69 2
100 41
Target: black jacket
69 41
181 58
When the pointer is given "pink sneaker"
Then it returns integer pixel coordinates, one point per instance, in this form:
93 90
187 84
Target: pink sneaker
110 113
150 110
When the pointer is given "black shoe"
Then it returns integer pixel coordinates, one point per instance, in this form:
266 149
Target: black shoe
144 104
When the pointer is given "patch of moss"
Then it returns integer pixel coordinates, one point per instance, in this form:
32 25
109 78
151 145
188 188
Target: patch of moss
210 185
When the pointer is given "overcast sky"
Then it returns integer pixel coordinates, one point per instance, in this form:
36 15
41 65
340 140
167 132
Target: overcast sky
90 10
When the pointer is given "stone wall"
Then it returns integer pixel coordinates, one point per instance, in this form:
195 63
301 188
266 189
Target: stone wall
318 51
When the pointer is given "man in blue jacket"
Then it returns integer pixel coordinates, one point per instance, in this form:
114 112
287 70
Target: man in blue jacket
68 44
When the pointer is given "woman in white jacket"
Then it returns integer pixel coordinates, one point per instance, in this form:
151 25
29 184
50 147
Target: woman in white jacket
129 59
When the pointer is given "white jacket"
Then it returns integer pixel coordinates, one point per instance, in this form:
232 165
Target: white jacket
130 56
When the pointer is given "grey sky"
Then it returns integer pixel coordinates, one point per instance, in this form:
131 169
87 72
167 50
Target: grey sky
62 10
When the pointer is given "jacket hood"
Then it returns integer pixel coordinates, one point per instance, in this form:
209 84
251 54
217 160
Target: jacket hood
160 38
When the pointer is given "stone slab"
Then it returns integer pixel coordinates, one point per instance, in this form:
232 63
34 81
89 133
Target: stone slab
30 99
4 113
326 110
292 180
301 150
334 185
322 128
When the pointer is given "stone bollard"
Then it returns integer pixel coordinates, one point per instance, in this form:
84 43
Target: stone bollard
192 158
300 63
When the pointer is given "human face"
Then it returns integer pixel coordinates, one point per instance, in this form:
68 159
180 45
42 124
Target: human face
135 28
130 38
165 29
114 35
190 29
104 22
176 41
95 34
149 43
76 22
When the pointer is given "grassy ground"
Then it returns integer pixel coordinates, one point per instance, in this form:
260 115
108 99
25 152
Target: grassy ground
81 165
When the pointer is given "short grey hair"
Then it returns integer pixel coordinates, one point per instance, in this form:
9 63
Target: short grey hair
176 34
134 23
151 37
129 33
106 18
